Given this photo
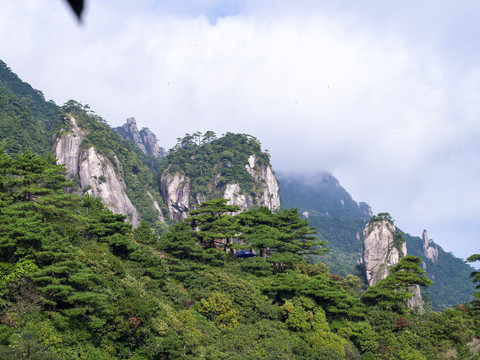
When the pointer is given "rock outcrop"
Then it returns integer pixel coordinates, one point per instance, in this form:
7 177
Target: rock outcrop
235 197
94 171
177 192
175 189
150 142
429 251
379 250
380 253
144 139
264 174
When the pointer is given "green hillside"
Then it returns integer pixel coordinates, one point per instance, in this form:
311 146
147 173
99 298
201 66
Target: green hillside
77 283
340 222
450 275
337 217
27 121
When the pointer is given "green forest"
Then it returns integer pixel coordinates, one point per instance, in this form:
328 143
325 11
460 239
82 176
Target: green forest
77 282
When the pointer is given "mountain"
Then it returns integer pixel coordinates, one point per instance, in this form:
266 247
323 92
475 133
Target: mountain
144 139
340 221
27 121
78 281
330 208
202 167
127 169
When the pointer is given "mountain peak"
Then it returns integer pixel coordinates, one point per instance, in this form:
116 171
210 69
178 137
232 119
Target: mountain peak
144 139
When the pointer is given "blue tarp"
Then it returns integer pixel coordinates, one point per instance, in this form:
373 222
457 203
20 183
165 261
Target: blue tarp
244 254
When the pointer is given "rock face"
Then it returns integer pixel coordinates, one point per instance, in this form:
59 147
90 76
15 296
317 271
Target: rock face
233 194
264 174
430 252
95 172
175 190
379 252
150 142
144 139
178 196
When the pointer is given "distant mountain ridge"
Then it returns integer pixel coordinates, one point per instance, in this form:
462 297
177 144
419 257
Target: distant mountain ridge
340 221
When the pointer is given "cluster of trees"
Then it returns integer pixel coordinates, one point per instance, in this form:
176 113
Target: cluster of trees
204 157
77 282
26 119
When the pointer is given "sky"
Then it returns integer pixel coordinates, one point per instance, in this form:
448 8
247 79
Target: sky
385 95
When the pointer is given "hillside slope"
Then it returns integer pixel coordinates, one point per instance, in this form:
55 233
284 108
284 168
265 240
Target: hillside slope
340 221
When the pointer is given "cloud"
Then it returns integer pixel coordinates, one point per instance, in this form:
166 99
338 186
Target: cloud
350 90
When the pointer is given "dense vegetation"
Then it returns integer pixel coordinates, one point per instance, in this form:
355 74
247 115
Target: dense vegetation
27 121
78 283
212 163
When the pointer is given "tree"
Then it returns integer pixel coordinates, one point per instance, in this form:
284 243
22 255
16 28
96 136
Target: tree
393 292
219 308
385 216
209 136
143 234
283 236
476 280
214 224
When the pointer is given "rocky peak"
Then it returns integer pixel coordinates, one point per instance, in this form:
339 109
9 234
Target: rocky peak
379 250
132 133
177 192
144 139
96 173
430 252
150 143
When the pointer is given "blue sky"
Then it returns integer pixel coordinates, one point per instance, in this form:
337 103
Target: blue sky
385 95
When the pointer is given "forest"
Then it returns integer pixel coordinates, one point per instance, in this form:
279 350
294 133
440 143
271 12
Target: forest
77 282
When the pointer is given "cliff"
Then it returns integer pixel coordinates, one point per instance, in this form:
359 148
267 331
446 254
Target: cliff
180 198
382 249
429 251
144 139
95 173
232 167
379 250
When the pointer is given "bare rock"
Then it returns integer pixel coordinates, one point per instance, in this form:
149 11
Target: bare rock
379 252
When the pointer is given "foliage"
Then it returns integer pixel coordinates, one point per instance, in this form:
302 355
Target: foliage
340 221
382 217
475 275
204 157
393 292
27 121
77 283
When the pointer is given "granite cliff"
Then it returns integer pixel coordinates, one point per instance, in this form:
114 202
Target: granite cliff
180 198
232 167
144 139
382 249
95 173
430 251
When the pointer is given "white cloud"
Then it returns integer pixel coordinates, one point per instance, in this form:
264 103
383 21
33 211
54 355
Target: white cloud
394 118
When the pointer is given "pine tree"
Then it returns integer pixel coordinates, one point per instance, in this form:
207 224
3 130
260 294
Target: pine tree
393 292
